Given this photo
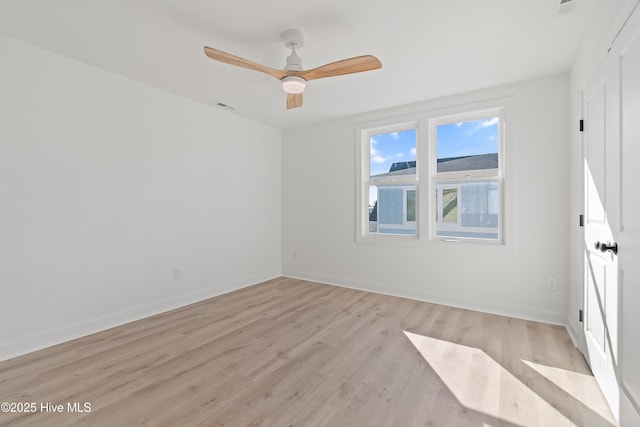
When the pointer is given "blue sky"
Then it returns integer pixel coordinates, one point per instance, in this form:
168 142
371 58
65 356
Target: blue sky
468 138
392 147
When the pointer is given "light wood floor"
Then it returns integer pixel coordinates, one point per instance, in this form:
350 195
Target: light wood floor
295 353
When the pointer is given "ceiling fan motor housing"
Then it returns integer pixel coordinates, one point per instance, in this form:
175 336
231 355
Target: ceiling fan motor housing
293 39
294 62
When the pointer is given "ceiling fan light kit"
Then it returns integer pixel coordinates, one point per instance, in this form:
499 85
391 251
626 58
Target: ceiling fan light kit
293 84
293 78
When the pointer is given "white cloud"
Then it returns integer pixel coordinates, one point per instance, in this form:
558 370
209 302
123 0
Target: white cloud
378 159
394 135
459 124
400 155
489 122
413 151
372 149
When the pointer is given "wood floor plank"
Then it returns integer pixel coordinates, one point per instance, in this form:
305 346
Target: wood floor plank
289 352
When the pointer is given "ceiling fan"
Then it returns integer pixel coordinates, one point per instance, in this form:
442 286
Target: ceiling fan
293 77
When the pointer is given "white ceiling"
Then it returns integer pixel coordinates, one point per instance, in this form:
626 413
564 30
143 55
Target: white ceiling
428 48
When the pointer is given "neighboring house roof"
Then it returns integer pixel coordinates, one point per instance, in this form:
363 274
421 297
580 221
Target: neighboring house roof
402 166
468 163
451 164
407 171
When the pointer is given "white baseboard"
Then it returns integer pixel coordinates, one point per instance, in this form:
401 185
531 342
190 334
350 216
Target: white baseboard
577 337
629 410
53 336
58 335
527 313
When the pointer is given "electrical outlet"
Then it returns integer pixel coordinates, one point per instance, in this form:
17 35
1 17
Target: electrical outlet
177 273
552 284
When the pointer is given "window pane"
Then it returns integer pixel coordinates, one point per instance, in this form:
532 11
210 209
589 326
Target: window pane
392 154
373 209
393 209
466 146
390 205
450 205
411 205
468 209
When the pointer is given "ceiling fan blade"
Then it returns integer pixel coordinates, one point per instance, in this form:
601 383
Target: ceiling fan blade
228 58
346 66
294 100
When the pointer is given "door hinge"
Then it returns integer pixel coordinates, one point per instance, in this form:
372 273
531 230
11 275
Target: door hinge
580 315
581 125
581 220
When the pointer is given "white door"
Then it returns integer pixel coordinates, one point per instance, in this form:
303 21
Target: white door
601 133
611 108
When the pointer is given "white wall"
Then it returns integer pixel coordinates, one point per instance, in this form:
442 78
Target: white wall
610 17
318 211
107 184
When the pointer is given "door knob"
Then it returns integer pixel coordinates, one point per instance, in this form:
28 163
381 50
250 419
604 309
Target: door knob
604 247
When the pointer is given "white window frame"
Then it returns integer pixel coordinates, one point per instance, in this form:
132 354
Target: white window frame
364 132
456 178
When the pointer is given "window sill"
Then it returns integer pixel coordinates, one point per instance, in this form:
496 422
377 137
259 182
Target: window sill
436 243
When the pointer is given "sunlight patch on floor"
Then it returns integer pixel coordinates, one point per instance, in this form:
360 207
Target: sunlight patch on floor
578 385
480 383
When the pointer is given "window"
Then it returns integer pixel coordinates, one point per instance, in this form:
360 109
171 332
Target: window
468 176
441 173
447 204
391 178
411 205
394 210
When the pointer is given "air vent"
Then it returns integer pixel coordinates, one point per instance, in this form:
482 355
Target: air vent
225 106
565 6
